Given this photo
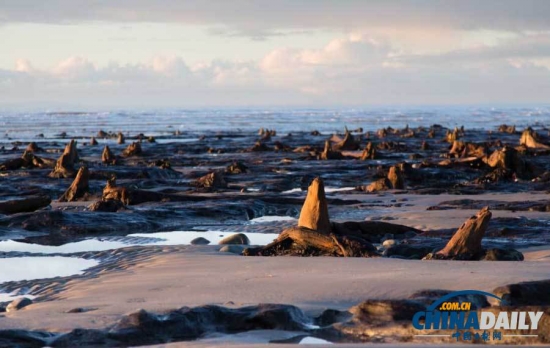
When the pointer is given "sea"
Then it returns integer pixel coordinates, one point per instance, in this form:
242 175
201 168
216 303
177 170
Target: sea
26 126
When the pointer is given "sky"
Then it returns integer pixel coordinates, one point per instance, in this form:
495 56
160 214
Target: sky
235 53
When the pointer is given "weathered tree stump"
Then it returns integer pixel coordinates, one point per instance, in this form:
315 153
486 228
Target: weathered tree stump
120 138
93 142
314 213
347 144
112 192
369 152
530 138
211 180
396 179
328 153
314 235
134 149
107 156
64 167
79 188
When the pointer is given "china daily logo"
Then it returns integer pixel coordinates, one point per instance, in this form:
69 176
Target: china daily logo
449 313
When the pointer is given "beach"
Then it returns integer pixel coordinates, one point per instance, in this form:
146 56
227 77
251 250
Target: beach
131 221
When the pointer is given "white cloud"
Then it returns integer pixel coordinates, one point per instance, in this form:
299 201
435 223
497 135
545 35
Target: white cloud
356 69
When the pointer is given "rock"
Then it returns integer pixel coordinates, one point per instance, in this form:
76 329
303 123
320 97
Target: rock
314 213
408 251
234 249
24 204
331 316
429 296
79 188
496 254
384 311
534 293
134 149
466 242
530 138
17 304
237 238
211 180
24 338
107 156
200 241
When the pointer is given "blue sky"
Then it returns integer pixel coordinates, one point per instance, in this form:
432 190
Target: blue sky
264 53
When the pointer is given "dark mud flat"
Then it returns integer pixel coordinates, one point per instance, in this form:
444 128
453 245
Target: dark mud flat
190 180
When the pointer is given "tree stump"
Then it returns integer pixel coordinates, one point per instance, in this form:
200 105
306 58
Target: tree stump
369 152
328 153
530 138
64 167
466 242
112 192
314 235
79 188
134 149
107 156
211 180
347 144
120 138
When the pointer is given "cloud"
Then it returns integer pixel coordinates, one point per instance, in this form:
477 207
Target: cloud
267 16
356 69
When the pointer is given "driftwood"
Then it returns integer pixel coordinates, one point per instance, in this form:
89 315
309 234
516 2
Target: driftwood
301 241
79 188
25 204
